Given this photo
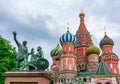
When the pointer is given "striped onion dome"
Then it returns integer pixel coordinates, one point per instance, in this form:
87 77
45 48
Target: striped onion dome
92 50
106 41
56 51
68 37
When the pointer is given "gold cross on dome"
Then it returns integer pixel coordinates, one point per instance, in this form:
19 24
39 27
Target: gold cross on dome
67 25
104 30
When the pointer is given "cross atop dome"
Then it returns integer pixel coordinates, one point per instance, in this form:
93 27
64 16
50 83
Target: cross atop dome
104 30
68 26
68 37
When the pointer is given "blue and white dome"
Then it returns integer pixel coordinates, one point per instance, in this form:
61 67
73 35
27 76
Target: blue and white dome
68 37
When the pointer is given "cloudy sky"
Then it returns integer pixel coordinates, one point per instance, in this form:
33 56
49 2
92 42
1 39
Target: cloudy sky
42 22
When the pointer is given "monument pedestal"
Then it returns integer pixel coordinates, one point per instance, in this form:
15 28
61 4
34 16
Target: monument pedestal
24 77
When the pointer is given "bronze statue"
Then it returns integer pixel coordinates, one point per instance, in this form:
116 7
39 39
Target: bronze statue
38 62
39 53
22 55
32 54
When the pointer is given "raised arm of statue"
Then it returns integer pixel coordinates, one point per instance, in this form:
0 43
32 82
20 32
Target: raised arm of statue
15 38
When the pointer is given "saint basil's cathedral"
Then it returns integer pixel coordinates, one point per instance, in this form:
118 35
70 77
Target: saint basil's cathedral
76 60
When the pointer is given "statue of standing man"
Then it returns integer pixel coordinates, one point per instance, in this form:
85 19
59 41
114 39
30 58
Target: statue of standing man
22 55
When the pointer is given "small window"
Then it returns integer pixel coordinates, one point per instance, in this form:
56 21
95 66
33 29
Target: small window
83 66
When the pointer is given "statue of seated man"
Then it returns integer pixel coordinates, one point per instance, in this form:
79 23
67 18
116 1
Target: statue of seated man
35 57
39 53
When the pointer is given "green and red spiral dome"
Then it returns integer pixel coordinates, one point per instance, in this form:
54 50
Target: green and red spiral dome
92 50
56 51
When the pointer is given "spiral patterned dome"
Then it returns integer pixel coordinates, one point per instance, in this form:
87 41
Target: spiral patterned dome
68 37
106 41
92 50
56 51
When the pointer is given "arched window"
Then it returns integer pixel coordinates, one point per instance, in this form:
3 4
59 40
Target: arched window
114 57
69 48
107 83
82 66
79 67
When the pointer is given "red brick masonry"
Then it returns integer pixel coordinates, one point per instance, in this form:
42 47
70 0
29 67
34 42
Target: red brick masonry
24 76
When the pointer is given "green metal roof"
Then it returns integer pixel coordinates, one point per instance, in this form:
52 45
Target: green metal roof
64 77
67 71
102 68
85 74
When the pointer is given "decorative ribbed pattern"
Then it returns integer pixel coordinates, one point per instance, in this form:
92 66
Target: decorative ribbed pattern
106 41
68 37
92 50
56 51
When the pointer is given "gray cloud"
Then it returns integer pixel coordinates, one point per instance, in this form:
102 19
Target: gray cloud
41 22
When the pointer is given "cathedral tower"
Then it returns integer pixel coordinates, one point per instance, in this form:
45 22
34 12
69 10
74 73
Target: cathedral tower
93 58
109 57
82 43
67 59
55 54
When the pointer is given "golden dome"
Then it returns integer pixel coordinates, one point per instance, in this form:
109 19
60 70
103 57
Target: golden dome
82 12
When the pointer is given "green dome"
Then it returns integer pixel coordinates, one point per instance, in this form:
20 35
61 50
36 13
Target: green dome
56 51
92 50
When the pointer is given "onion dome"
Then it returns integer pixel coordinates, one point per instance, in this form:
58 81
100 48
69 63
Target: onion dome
106 41
68 37
92 50
56 51
82 13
